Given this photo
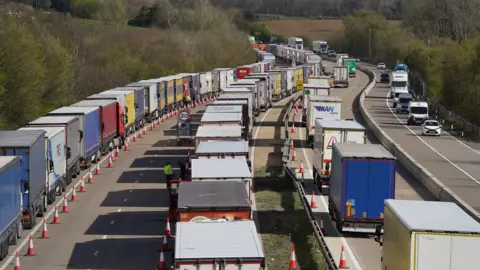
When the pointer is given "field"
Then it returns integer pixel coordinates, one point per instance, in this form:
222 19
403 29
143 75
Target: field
313 29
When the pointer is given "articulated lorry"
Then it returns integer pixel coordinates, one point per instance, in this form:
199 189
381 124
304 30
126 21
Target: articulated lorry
322 89
363 177
352 66
340 76
428 235
324 107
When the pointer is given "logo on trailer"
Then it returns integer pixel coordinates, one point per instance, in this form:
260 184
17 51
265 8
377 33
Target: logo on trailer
324 108
331 142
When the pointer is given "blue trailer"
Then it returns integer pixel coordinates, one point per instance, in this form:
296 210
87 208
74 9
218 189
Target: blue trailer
10 203
363 177
30 145
90 143
139 103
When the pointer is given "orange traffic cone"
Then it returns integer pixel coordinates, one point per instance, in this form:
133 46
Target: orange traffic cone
165 243
110 163
30 250
90 176
97 169
294 157
301 170
291 144
144 130
343 262
168 232
313 204
292 264
293 127
117 152
112 155
45 230
161 262
82 184
322 229
17 262
134 137
152 125
65 204
56 218
126 145
74 194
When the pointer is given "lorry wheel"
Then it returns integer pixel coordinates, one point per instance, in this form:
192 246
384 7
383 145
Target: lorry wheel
43 207
19 233
79 169
15 236
51 195
98 156
3 253
32 220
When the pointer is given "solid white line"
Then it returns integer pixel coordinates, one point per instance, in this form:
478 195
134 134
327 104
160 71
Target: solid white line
112 222
119 210
428 145
104 237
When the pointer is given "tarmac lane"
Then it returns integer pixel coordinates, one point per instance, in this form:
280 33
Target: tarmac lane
119 222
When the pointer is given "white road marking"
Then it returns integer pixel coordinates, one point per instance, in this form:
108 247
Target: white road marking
95 254
119 210
131 190
125 200
104 237
112 222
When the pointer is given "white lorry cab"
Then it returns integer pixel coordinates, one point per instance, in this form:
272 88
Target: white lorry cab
403 101
295 42
398 83
417 112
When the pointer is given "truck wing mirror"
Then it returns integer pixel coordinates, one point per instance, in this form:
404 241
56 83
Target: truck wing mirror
69 152
26 186
124 119
136 106
81 135
50 165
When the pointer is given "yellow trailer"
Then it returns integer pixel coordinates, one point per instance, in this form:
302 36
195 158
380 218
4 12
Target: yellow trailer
299 74
129 107
178 89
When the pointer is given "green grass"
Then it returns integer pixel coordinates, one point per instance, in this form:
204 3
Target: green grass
281 216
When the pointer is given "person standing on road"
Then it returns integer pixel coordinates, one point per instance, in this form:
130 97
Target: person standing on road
168 172
183 170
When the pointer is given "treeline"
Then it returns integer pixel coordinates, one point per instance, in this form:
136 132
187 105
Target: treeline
445 53
50 59
393 9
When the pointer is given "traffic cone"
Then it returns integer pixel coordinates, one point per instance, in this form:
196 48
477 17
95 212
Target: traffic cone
30 250
313 204
17 262
293 127
82 184
343 262
45 230
117 152
74 194
110 163
291 144
140 134
90 176
112 155
322 229
144 130
292 264
152 125
65 204
56 218
161 263
168 232
97 169
301 170
126 146
165 243
134 137
294 157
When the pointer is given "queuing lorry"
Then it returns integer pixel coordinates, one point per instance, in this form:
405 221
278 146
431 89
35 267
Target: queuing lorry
139 104
247 114
320 46
295 42
428 235
263 98
363 177
352 66
73 136
325 107
225 133
314 90
278 85
256 90
221 170
340 76
30 146
327 133
206 200
90 134
398 83
230 98
322 80
223 149
221 78
340 57
10 203
270 85
228 245
111 125
55 143
222 119
153 98
206 88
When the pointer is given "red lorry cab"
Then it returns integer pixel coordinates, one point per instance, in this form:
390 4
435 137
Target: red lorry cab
243 71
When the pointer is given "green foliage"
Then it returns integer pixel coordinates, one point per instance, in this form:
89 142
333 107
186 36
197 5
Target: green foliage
307 42
86 9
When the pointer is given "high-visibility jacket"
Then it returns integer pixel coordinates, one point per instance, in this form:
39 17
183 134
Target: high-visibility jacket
167 170
187 98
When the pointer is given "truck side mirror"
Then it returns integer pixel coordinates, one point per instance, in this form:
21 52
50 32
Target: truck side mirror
102 127
136 106
50 165
69 153
124 119
26 186
81 135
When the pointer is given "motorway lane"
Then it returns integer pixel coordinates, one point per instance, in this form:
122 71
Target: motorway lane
365 250
118 222
453 162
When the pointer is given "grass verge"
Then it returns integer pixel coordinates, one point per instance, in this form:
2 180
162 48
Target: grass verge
281 217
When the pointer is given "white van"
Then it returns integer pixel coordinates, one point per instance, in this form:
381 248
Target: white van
417 112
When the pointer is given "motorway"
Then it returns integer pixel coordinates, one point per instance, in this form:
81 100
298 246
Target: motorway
361 252
453 162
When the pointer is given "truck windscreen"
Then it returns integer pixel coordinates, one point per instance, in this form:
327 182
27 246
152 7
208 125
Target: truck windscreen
299 42
418 110
404 100
323 46
399 83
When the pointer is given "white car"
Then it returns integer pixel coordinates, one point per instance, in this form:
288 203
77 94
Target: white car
381 66
431 127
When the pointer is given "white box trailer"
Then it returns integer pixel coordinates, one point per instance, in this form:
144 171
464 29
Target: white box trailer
270 84
222 170
322 79
315 90
340 76
262 86
428 235
223 150
247 112
257 87
222 77
324 107
205 84
219 133
228 245
222 119
327 133
340 57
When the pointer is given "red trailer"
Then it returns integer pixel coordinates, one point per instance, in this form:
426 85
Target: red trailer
243 71
109 117
266 67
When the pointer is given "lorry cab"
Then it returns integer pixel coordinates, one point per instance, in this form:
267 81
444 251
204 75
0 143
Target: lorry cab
398 82
403 101
417 112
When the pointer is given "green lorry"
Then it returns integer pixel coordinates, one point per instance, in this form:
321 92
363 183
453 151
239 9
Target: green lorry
352 66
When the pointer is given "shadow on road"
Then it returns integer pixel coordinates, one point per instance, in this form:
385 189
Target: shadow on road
137 198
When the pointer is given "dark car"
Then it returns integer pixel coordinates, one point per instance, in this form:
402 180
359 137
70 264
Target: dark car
385 77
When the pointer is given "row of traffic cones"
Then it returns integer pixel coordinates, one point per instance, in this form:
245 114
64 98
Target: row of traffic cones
292 263
161 264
